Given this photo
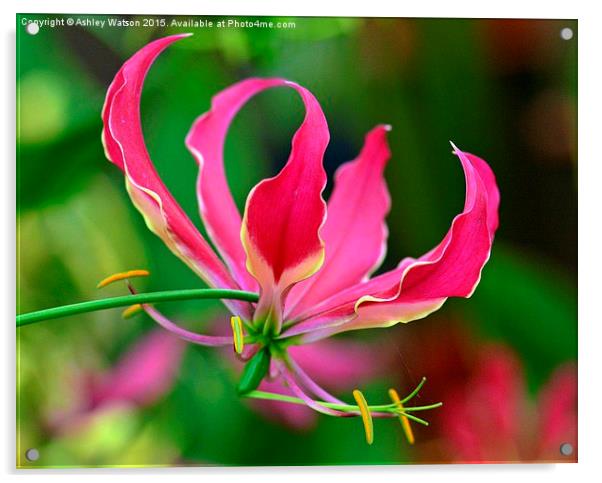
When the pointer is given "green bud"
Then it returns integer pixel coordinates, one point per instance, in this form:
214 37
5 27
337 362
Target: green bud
254 371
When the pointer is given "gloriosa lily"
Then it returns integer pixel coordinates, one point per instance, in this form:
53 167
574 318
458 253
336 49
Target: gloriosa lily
310 261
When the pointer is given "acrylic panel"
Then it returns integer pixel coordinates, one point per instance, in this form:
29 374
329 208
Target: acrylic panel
295 241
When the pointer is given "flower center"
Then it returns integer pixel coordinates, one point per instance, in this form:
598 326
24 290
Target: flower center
266 347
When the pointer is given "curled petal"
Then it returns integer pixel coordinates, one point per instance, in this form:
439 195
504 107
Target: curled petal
493 193
206 143
124 146
283 214
419 286
355 231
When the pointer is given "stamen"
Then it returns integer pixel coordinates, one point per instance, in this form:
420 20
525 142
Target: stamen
366 416
405 422
239 341
415 391
131 311
122 276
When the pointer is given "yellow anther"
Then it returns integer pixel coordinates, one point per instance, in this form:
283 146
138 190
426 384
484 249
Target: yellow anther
131 311
239 341
405 422
366 416
122 276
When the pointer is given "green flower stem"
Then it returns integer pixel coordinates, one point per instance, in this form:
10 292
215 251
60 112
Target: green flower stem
392 408
140 298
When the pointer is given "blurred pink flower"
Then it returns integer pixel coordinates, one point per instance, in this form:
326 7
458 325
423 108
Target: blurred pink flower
490 418
145 373
489 414
557 408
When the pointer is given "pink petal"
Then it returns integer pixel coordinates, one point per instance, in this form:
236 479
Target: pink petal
125 147
283 214
144 374
419 286
355 231
493 193
206 142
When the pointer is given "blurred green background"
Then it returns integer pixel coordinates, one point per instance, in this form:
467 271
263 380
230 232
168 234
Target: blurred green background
502 89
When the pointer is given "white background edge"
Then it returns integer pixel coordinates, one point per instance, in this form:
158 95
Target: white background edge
590 230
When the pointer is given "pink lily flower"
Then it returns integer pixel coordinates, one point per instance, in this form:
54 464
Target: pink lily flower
311 262
145 373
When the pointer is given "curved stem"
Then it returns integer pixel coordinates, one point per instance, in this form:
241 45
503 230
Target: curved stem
141 298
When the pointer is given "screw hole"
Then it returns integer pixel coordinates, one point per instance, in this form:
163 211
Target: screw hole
32 454
566 33
566 449
32 28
